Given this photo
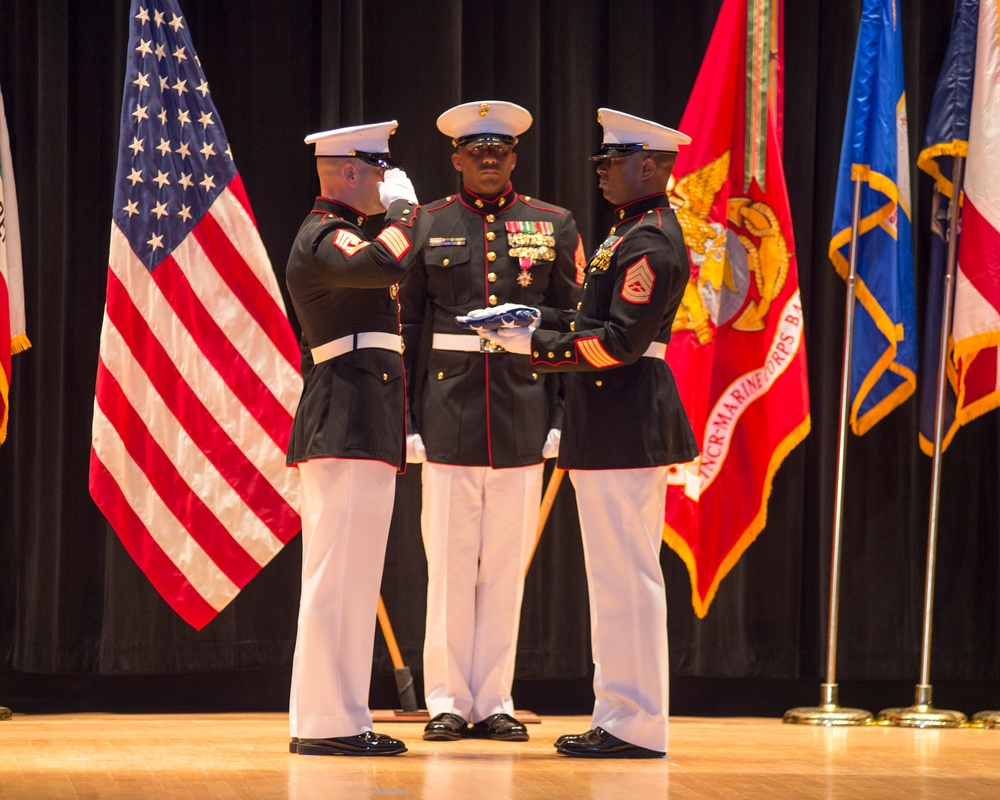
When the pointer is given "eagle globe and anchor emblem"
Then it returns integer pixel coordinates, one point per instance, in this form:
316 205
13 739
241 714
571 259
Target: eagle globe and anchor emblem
737 270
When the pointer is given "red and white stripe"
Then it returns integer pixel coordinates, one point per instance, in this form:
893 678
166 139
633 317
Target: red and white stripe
976 327
196 389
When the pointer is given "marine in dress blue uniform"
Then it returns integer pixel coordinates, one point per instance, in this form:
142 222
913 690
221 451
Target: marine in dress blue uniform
348 437
485 416
623 425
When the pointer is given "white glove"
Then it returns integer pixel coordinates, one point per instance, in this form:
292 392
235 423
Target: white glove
551 447
513 340
416 453
395 186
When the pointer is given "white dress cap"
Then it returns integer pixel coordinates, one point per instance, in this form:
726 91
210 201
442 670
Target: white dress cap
484 122
624 134
370 143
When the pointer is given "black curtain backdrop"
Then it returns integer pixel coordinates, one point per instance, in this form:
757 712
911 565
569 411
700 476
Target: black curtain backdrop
80 625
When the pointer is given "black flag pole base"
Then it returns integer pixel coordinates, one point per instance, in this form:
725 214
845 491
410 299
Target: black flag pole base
922 713
828 712
985 719
404 688
4 712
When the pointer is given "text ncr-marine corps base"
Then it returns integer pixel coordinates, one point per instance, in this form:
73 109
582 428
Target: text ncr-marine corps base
623 425
487 420
348 438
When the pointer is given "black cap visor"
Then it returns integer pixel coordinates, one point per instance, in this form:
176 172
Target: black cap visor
617 150
482 139
383 160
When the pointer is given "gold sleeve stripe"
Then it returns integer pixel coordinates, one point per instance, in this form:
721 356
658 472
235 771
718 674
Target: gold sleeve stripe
595 354
395 240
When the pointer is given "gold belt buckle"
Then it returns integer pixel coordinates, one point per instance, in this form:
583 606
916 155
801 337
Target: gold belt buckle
486 346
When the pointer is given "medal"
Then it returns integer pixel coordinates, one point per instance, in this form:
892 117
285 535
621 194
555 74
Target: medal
524 276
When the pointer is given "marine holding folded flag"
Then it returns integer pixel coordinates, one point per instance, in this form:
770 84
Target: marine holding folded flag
623 426
486 421
348 436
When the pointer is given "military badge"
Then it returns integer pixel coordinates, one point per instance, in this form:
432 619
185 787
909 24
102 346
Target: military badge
602 258
530 242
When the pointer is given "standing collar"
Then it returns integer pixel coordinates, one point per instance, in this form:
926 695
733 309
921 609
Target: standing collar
641 206
327 205
496 205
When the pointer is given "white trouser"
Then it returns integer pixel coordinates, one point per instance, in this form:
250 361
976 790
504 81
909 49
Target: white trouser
478 528
621 519
346 510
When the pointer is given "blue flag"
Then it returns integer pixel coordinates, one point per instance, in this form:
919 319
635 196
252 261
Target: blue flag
875 152
947 137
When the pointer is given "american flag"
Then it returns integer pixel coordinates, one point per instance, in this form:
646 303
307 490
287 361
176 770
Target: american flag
197 381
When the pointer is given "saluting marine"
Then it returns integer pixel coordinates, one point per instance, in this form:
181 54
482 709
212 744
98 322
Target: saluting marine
348 438
486 420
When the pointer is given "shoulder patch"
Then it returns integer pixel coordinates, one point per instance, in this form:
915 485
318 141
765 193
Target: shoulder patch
348 241
639 281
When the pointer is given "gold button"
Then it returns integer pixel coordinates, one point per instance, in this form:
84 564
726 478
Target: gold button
446 262
502 202
490 236
440 376
407 211
613 227
491 277
493 299
593 270
527 197
449 197
385 376
535 354
572 325
479 203
491 257
598 383
584 284
551 354
568 354
650 211
621 215
534 376
361 221
578 305
490 218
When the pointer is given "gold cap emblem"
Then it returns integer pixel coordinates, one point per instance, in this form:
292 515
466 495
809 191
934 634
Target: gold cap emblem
484 109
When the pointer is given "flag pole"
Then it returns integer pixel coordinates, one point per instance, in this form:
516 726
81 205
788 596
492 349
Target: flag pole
922 713
555 479
829 712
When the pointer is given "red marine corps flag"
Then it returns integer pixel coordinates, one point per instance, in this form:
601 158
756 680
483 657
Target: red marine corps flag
737 349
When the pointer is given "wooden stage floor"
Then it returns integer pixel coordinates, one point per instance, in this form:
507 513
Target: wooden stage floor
224 756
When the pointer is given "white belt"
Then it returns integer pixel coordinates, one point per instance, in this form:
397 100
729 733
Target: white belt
473 344
656 350
457 341
357 341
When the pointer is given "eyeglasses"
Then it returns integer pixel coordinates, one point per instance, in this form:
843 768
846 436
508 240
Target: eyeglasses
497 151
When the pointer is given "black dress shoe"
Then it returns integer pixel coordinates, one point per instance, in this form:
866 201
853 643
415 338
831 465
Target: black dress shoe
364 744
566 737
293 745
446 728
598 743
499 726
